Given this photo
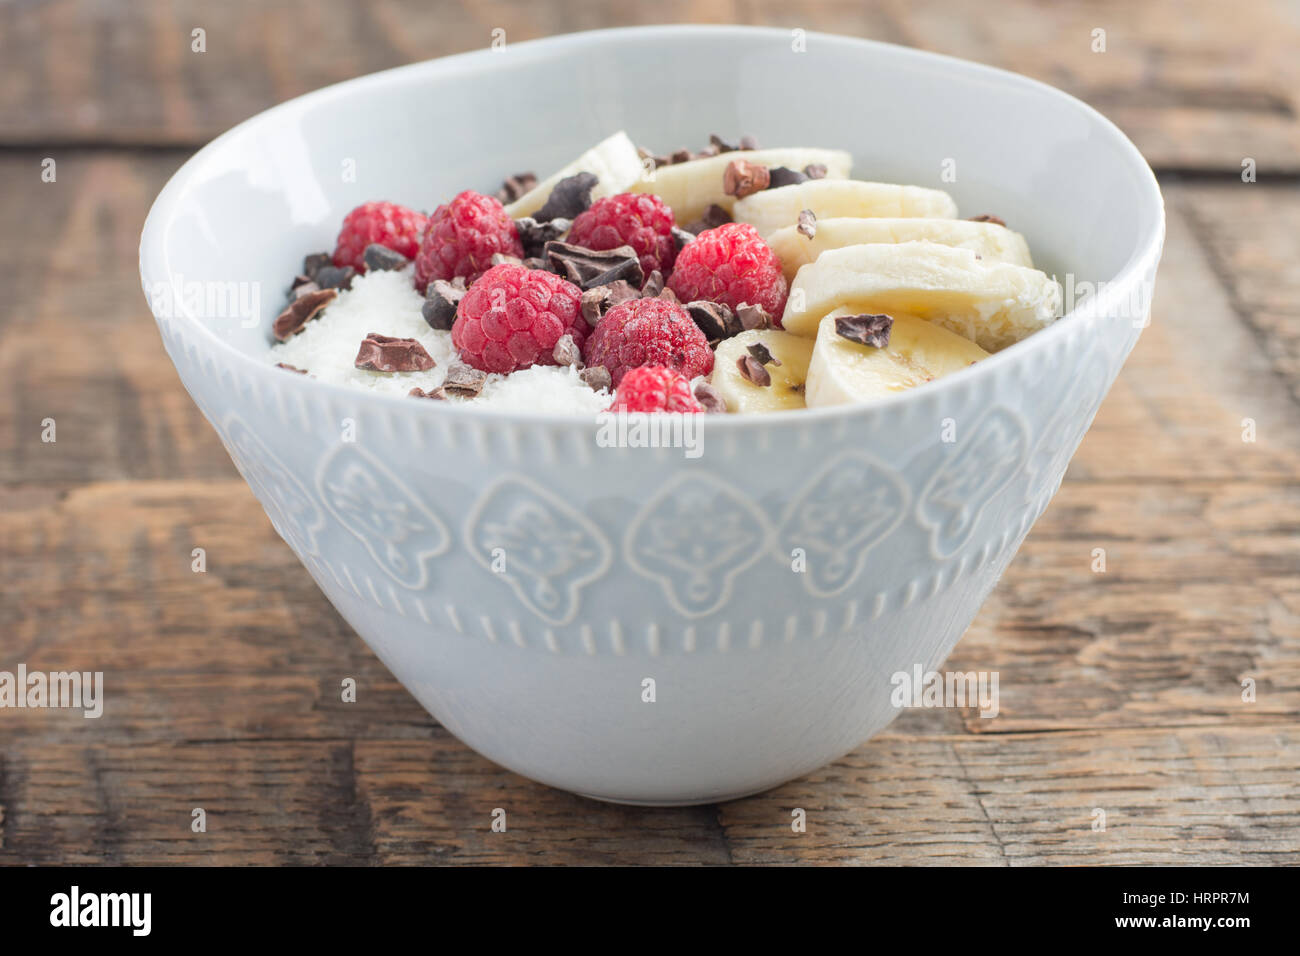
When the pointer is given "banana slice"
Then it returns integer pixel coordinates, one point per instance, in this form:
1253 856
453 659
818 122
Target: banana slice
918 352
614 161
786 390
990 303
774 209
988 239
690 188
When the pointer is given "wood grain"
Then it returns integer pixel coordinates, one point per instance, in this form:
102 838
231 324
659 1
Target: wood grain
1251 240
1120 691
1198 85
1168 797
76 344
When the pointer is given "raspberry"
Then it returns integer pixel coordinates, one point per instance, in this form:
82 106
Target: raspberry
648 332
639 220
653 388
461 238
512 317
732 265
386 223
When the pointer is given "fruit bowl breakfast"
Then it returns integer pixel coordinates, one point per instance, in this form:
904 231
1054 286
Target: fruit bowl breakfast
875 397
767 280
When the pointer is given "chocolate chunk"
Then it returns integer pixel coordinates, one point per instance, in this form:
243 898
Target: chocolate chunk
534 262
332 277
987 218
748 142
571 195
515 186
588 268
870 330
441 300
596 377
710 398
815 170
596 302
301 311
784 176
620 290
502 259
535 235
306 288
762 354
653 285
753 317
291 368
707 151
742 178
668 295
566 352
650 161
301 280
315 262
679 156
682 237
437 393
382 259
463 381
713 217
714 319
384 353
723 145
752 370
807 223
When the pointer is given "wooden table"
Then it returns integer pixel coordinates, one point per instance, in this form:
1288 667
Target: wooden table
1121 691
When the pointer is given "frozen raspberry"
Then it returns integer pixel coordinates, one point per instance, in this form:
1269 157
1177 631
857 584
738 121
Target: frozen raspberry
653 388
386 223
648 332
512 317
730 264
461 238
639 220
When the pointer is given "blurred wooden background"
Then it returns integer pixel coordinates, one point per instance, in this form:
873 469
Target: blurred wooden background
1120 691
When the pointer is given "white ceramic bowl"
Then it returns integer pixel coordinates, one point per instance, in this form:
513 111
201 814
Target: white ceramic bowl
631 564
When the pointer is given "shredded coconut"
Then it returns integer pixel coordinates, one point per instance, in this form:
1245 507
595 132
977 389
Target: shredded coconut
387 303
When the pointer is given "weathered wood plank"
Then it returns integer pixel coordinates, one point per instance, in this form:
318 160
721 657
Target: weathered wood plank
1251 241
1198 85
1169 796
1200 592
1189 795
101 579
77 343
316 802
1198 372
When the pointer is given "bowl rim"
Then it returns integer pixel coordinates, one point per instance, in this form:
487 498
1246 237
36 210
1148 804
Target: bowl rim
154 260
